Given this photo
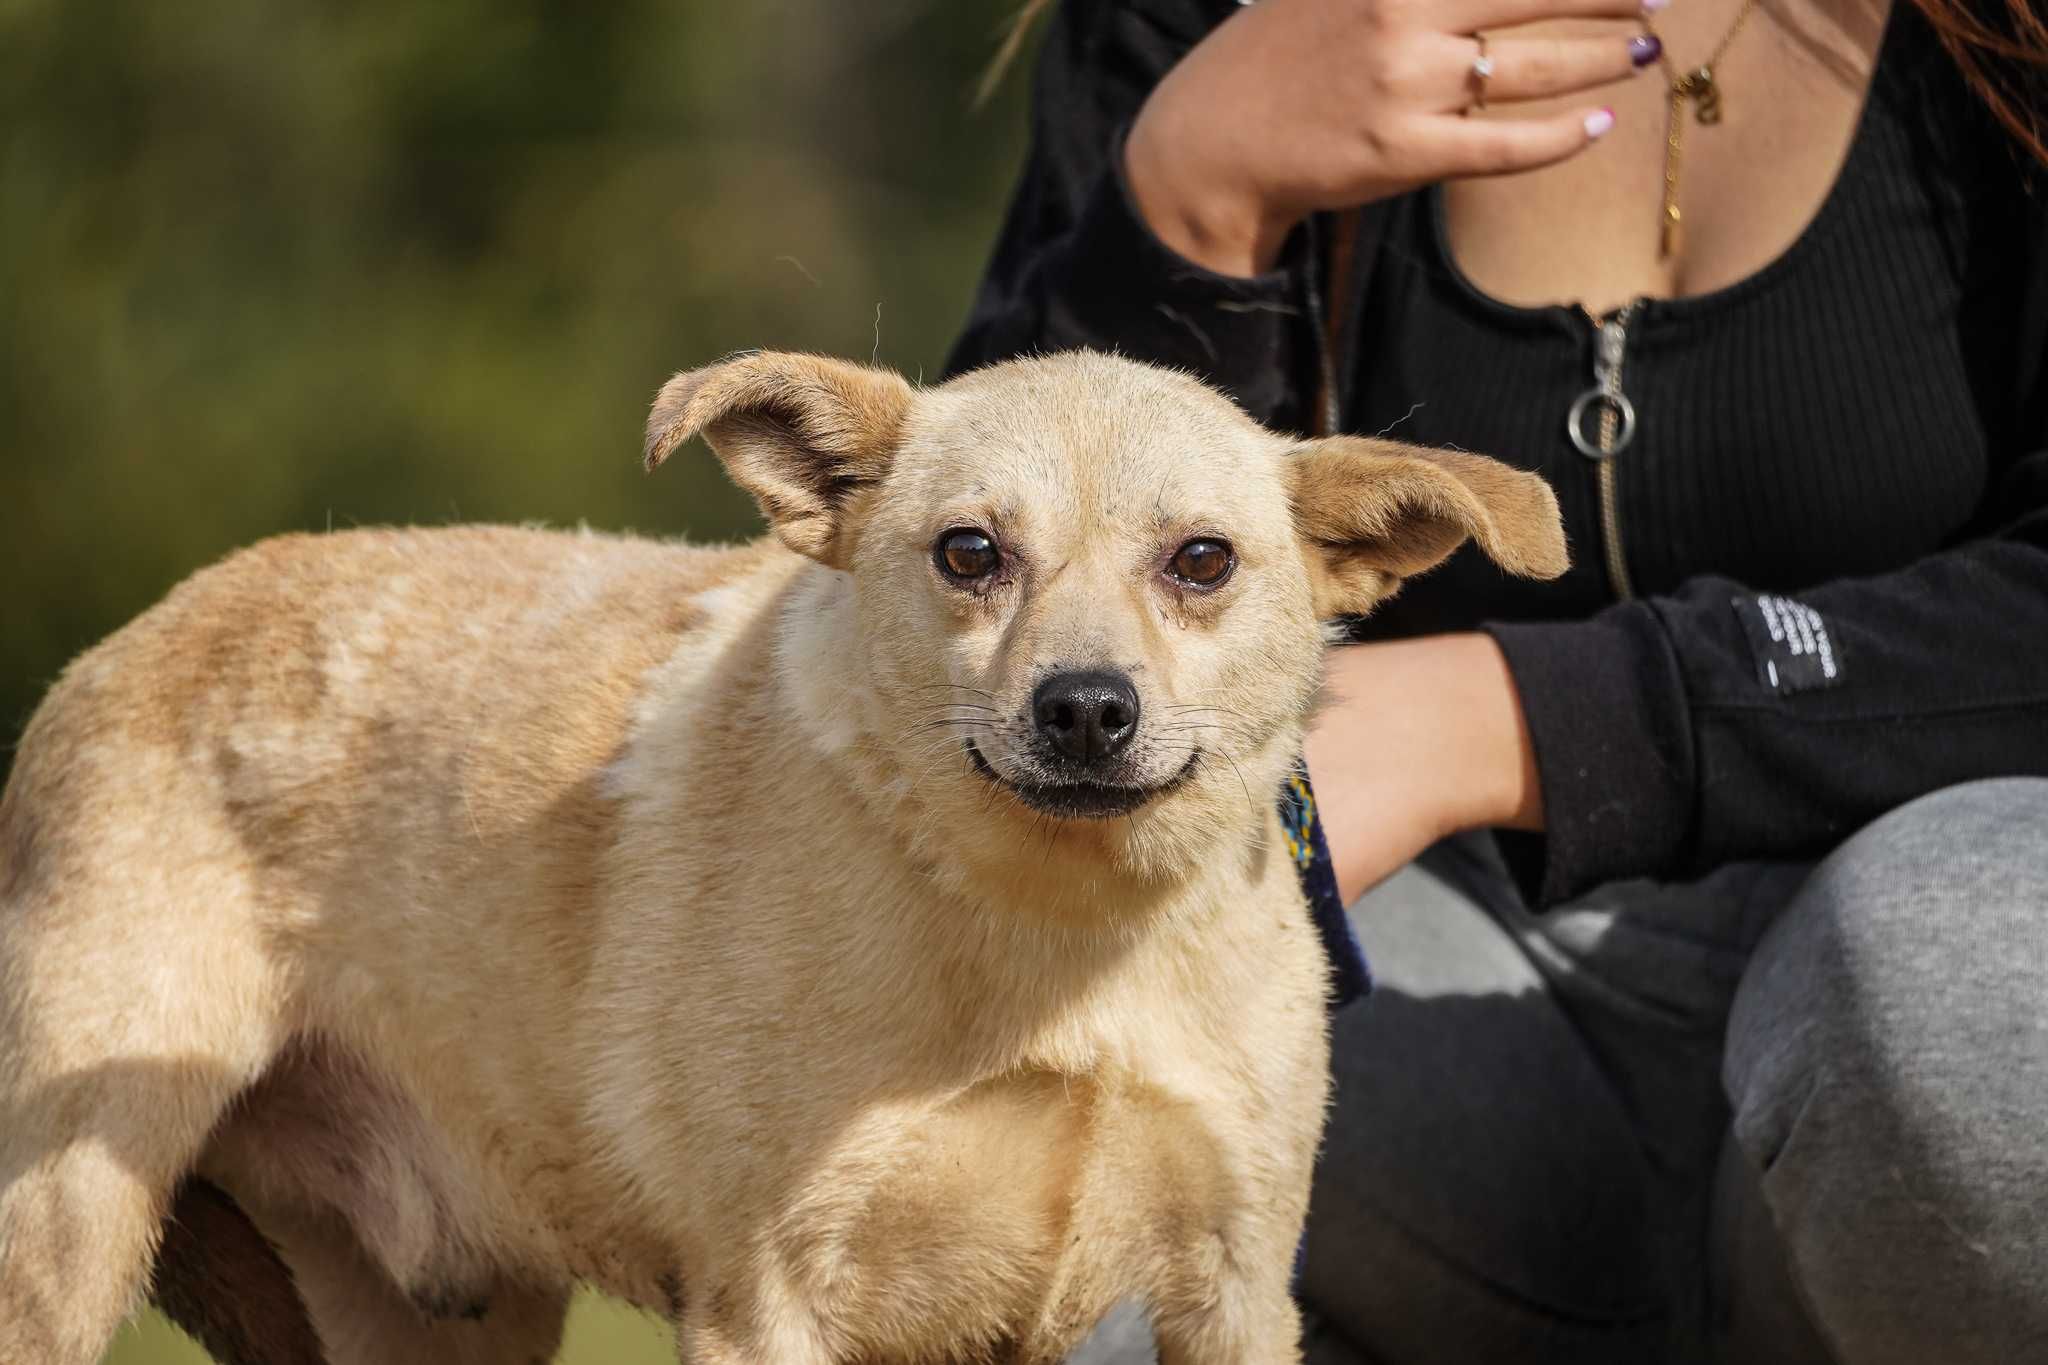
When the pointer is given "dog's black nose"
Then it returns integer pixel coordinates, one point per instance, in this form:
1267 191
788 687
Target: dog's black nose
1087 715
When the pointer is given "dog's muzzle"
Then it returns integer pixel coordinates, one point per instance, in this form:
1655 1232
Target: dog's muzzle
1078 761
1082 800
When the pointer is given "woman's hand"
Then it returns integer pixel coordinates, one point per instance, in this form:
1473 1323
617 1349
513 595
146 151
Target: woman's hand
1422 738
1294 106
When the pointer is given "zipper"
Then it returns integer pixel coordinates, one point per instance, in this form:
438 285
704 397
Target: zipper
1614 428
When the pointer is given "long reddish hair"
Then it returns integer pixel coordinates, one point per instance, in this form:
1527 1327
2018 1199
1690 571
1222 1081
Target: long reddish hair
2000 46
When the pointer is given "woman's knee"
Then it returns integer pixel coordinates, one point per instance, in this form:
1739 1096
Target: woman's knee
1888 1066
1929 926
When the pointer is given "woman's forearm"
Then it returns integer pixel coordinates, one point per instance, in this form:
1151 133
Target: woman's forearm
1421 739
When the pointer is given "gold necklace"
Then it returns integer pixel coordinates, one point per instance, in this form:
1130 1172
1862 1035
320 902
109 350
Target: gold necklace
1698 86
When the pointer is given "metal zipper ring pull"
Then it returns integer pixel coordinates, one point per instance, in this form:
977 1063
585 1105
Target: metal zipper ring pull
1575 421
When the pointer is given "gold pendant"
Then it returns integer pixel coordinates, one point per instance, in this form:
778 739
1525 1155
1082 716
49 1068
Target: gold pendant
1699 87
1668 237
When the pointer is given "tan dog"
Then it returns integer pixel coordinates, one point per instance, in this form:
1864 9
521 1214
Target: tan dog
871 946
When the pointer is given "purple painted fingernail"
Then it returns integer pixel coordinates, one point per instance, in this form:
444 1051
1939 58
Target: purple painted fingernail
1599 123
1652 6
1645 48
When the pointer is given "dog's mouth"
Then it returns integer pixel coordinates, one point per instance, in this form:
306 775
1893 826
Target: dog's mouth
1082 800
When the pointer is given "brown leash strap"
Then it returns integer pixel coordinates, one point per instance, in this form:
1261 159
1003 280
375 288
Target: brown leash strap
1338 278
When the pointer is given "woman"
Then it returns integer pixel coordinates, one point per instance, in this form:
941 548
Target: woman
1730 1042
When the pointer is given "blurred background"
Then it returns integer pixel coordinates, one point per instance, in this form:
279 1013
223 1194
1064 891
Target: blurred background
275 265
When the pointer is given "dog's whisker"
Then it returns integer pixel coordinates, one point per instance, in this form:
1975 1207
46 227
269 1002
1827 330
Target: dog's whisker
1032 832
964 724
959 687
1226 723
959 737
931 753
934 761
920 766
1250 805
938 746
1199 706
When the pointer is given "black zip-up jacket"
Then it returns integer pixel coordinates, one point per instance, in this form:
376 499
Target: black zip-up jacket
1725 715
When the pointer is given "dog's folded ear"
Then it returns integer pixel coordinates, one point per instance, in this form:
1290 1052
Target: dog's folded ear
1375 512
804 434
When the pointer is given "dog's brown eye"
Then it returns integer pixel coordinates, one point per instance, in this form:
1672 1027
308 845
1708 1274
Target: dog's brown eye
1203 563
966 554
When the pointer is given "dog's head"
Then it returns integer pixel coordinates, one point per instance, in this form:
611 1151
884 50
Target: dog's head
1087 594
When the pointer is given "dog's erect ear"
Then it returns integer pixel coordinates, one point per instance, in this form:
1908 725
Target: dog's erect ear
803 433
1375 512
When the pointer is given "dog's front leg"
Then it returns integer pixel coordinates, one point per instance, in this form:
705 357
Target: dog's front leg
732 1325
1248 1320
701 1342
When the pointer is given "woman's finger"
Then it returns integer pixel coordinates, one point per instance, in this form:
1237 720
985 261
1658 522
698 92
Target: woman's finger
1537 68
1459 147
1476 16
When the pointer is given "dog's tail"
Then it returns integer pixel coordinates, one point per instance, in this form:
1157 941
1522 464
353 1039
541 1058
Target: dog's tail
222 1281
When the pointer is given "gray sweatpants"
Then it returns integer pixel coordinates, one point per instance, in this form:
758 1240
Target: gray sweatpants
1788 1113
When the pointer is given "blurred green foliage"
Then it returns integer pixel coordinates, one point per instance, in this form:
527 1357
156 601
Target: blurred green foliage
271 265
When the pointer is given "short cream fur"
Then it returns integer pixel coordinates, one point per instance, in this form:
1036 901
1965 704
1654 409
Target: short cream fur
489 910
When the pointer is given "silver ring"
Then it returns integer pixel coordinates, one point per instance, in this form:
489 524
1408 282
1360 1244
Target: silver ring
1575 423
1482 71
